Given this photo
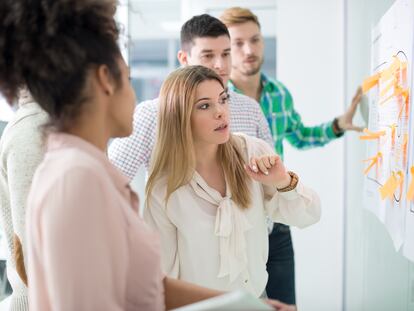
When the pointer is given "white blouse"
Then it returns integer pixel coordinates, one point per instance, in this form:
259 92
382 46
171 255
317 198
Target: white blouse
208 240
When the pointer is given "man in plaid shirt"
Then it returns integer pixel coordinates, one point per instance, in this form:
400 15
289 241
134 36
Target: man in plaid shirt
205 41
285 123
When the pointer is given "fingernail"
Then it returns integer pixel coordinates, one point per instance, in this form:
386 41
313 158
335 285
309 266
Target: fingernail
266 173
254 167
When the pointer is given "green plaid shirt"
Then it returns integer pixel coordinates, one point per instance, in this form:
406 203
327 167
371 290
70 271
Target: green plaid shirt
277 105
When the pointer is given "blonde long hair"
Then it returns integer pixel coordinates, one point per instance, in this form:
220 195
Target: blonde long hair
174 155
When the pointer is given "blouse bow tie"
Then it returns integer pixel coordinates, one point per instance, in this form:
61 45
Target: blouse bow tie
230 226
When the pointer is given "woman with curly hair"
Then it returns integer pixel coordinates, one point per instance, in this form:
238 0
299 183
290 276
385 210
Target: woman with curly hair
88 249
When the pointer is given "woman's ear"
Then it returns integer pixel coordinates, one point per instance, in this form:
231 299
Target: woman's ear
105 80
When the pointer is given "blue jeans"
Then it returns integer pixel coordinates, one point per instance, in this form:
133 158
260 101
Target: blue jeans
281 265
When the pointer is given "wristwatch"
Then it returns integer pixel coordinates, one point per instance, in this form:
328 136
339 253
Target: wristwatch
293 182
335 126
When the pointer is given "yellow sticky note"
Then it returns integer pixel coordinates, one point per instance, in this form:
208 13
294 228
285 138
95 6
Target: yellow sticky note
410 191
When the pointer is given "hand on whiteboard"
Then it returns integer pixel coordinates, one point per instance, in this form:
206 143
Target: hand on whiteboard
345 121
269 170
280 306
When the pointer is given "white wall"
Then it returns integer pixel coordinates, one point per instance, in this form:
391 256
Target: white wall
6 112
264 9
310 61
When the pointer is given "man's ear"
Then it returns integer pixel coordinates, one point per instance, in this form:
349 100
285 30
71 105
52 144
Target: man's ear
182 57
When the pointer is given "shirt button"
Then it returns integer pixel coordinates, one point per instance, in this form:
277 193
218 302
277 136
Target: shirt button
245 281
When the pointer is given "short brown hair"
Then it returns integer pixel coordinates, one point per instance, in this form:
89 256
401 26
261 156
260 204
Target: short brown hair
238 15
201 26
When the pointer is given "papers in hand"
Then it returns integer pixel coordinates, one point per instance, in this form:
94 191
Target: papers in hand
238 300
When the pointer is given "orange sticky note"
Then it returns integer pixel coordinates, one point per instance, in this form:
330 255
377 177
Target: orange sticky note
387 87
401 181
374 161
388 189
410 191
404 104
386 99
393 127
391 70
370 82
405 93
403 72
398 91
404 149
371 135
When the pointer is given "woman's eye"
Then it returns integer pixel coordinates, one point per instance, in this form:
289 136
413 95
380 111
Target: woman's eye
203 106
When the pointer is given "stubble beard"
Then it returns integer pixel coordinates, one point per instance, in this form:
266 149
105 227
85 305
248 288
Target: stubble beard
255 70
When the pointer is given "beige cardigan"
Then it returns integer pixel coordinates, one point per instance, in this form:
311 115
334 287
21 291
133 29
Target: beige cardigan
21 150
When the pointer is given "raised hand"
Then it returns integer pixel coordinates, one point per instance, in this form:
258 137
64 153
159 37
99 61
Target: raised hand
268 170
345 121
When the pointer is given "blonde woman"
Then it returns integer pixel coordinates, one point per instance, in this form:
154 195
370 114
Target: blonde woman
209 191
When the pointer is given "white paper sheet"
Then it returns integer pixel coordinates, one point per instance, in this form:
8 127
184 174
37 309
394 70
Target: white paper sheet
408 248
238 300
391 52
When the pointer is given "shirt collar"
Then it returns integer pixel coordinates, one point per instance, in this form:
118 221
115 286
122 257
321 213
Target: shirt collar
233 88
267 84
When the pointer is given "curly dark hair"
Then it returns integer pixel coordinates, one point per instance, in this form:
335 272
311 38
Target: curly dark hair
50 45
